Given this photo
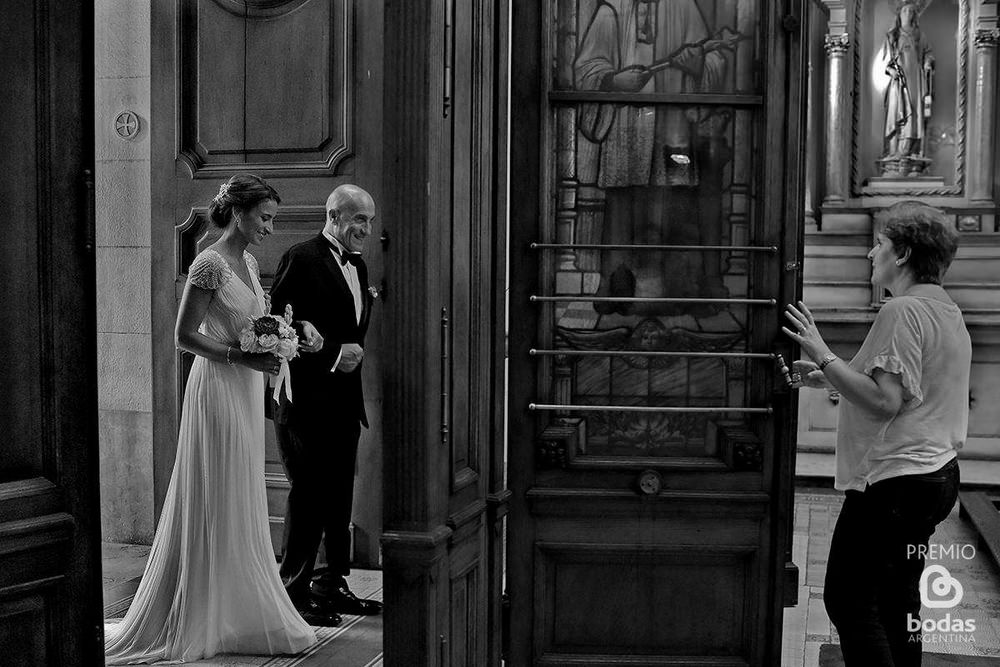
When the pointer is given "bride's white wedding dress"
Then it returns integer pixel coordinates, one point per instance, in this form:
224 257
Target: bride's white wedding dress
211 584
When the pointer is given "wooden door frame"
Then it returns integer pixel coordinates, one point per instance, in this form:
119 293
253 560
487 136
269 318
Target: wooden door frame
418 529
50 595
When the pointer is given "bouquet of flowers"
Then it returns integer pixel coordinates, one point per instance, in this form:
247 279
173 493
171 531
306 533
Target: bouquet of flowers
274 334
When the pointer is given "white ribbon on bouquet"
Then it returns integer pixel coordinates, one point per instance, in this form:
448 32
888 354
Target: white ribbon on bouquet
282 379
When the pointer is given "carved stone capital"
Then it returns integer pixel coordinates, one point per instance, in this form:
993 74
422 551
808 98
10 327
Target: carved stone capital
836 45
987 39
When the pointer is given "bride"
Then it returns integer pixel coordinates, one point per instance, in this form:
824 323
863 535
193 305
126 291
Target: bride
211 584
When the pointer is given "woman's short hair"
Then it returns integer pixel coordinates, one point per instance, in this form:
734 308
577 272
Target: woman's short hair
929 235
240 193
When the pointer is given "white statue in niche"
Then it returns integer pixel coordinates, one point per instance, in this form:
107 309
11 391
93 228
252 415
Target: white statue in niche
909 64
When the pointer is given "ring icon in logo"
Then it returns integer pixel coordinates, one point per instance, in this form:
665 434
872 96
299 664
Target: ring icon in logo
935 595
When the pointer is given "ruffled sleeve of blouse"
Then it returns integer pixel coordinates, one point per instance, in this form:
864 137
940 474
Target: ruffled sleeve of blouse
897 348
209 270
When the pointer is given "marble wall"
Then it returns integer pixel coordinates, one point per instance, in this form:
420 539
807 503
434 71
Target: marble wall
122 155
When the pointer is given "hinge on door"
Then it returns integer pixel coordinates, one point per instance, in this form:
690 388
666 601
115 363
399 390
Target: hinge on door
445 376
449 54
790 20
89 213
505 626
793 266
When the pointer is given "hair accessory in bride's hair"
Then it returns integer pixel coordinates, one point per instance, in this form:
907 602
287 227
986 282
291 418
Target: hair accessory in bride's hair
223 191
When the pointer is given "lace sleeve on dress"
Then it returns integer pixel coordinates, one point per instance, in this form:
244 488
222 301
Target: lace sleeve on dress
208 271
252 264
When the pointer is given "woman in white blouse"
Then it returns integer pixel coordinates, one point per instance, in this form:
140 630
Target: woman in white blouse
905 415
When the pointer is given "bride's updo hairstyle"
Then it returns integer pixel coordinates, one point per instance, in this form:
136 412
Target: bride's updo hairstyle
239 194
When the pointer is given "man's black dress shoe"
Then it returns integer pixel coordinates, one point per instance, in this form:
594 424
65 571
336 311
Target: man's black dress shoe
342 601
317 615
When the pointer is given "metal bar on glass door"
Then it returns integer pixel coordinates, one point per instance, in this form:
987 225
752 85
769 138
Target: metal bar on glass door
651 353
651 246
640 99
646 408
650 299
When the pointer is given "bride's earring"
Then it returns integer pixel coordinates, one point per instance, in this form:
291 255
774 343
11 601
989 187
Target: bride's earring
899 262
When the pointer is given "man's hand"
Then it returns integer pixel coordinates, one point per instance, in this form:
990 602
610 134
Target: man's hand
351 355
311 341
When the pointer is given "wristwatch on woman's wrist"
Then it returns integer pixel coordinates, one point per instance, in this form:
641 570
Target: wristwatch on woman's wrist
828 359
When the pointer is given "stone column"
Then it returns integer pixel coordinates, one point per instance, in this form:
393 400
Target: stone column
837 111
122 153
983 118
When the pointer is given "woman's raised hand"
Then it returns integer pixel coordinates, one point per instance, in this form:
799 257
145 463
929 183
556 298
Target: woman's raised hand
804 331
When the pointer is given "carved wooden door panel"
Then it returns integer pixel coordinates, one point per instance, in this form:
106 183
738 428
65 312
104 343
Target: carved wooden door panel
50 567
289 90
654 237
475 489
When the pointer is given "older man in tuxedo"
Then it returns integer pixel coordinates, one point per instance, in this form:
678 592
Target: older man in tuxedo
326 282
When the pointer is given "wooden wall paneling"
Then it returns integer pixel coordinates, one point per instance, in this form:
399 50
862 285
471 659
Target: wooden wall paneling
19 254
525 187
288 96
469 57
23 624
498 493
441 345
213 83
467 604
462 124
413 547
271 88
50 584
642 604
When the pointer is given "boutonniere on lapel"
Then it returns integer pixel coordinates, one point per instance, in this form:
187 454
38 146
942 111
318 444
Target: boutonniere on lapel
374 292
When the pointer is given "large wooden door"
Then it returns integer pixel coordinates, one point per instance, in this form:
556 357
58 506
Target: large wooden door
654 238
443 370
289 90
50 582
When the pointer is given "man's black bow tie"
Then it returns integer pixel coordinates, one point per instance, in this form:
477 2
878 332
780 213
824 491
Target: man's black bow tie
342 255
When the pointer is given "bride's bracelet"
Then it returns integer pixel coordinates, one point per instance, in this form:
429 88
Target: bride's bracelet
229 350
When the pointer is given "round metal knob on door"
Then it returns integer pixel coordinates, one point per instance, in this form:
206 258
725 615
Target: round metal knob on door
650 482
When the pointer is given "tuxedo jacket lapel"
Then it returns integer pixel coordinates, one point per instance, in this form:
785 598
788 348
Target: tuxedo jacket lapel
340 281
333 268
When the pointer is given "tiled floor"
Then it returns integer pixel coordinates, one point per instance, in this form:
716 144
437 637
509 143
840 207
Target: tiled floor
807 625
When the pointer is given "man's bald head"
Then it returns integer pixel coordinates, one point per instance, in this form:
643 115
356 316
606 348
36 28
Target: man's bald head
347 196
350 211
